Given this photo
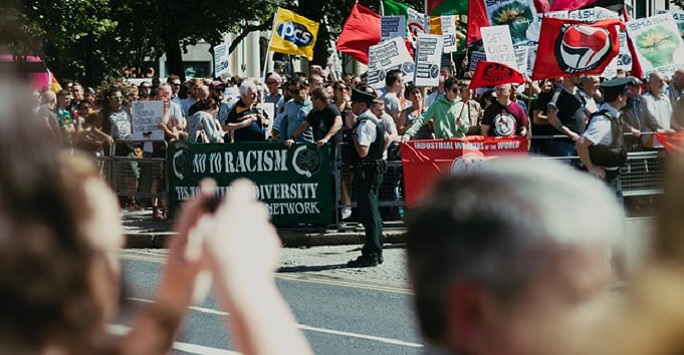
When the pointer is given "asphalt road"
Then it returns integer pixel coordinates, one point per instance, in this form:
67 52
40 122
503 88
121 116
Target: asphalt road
358 314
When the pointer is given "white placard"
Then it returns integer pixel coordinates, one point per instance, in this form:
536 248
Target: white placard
658 44
498 45
147 115
392 26
521 59
388 55
448 25
428 60
221 61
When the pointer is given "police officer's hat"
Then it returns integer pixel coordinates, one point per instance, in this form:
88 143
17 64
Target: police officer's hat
362 96
617 86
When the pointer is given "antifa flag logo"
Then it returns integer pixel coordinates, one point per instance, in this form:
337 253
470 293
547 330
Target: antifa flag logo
497 72
581 48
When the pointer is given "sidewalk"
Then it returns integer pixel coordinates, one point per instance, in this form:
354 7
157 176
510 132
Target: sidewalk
142 231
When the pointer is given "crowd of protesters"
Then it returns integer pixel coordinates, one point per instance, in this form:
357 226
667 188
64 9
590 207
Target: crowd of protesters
316 108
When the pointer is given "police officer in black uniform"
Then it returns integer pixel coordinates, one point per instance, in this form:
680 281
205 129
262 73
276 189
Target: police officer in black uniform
602 147
369 143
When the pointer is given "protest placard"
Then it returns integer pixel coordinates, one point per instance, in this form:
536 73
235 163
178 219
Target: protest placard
498 45
521 60
678 17
388 55
519 15
475 57
147 115
221 62
428 59
392 26
448 25
657 43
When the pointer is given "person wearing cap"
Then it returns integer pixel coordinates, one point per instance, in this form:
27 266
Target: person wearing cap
216 92
602 147
448 112
274 96
369 143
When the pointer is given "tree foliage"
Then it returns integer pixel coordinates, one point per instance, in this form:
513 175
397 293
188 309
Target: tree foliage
90 40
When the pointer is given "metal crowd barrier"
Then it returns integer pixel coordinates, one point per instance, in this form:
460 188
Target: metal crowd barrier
139 175
643 175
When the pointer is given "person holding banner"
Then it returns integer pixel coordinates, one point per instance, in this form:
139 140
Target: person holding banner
448 112
369 143
506 117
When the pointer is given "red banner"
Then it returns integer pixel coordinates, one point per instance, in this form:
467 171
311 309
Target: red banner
425 160
493 73
673 142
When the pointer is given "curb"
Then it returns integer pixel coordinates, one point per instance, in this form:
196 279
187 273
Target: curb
290 238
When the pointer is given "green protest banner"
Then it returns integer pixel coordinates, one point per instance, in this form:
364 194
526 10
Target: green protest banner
294 183
658 44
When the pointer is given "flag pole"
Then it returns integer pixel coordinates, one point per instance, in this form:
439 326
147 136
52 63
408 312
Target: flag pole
268 49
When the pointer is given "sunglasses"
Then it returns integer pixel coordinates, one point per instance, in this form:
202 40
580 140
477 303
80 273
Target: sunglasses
343 89
146 87
176 84
116 97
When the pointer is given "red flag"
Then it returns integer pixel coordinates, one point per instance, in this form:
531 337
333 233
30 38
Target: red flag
636 71
494 73
571 47
360 31
477 17
673 142
423 161
614 5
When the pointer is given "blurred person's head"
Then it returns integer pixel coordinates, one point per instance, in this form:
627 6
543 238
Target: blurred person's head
589 84
49 99
413 93
320 98
218 89
656 83
503 93
341 91
393 81
496 271
164 92
132 93
77 92
115 99
316 81
202 92
299 89
145 90
678 79
64 98
273 83
451 89
49 269
378 108
248 92
175 82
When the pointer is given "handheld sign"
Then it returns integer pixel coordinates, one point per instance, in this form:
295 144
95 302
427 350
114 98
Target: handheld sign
428 59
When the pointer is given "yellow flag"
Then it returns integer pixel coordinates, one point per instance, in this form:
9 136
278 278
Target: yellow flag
293 34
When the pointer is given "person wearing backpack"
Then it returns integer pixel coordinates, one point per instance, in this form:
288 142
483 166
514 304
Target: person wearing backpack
602 147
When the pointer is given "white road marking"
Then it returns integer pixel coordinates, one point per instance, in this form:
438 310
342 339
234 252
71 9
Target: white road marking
119 329
307 327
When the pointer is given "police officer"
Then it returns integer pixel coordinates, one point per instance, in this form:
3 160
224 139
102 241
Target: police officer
602 147
369 143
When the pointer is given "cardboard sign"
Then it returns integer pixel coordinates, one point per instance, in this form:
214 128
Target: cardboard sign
428 60
221 62
525 26
658 44
498 45
388 55
147 115
448 26
475 57
392 26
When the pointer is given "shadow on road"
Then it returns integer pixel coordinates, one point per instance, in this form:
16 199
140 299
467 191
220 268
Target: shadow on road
303 268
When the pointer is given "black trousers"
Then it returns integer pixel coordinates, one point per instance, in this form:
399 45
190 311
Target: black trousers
367 191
